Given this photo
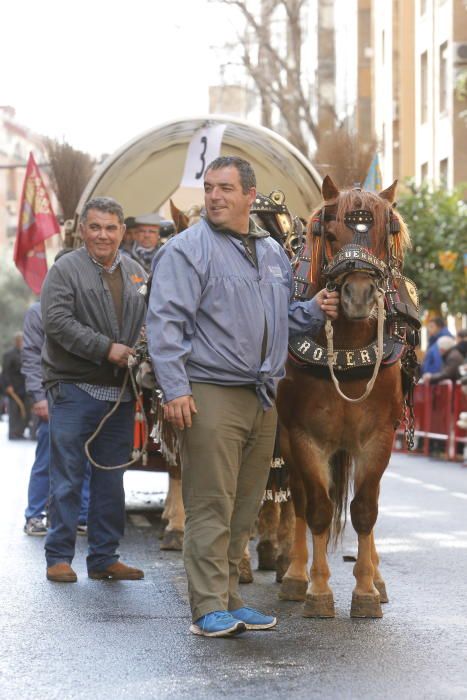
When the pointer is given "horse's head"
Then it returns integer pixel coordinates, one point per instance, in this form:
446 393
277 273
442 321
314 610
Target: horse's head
356 238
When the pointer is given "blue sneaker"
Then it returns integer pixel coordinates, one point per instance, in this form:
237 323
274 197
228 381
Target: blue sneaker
253 619
219 623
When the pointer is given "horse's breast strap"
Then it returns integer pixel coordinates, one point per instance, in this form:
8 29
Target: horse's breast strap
307 350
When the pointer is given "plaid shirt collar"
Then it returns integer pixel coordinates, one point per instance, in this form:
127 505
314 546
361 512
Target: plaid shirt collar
113 267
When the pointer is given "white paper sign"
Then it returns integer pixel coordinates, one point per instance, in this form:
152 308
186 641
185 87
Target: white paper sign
204 147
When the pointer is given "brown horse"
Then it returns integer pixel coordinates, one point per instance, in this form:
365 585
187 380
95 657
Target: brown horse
330 435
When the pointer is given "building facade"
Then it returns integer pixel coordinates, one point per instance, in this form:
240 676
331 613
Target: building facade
16 143
420 54
391 70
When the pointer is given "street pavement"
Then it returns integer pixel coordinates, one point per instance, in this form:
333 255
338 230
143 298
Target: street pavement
99 639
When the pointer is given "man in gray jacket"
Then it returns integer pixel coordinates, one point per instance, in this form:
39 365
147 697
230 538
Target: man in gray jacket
92 315
218 322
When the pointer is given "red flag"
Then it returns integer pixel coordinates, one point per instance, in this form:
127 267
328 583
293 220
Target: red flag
36 223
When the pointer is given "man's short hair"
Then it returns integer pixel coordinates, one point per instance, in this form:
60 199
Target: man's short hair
438 321
246 172
107 205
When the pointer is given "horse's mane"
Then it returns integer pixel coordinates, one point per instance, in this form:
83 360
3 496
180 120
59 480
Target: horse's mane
349 200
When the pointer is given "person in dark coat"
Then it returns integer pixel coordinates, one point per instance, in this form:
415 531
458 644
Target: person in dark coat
15 390
462 342
147 239
452 359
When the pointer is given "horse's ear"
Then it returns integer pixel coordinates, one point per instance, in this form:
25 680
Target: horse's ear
389 193
174 211
329 189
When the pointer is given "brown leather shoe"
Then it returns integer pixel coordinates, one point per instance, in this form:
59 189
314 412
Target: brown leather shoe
61 573
118 572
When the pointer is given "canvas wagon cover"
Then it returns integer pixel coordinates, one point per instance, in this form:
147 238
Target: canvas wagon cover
145 172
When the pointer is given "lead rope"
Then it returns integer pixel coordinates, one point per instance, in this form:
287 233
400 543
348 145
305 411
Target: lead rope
330 352
138 454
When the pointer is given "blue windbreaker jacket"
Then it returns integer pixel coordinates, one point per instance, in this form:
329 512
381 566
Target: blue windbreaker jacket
207 309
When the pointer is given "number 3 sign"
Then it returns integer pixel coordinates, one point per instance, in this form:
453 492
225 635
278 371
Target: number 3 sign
204 147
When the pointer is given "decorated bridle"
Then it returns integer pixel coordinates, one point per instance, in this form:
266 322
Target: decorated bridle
353 257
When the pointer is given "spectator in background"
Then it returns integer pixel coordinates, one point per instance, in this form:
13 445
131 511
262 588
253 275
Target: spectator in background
15 389
462 342
432 362
129 236
147 240
38 489
451 361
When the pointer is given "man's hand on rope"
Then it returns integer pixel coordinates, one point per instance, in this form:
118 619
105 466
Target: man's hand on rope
329 303
119 354
179 411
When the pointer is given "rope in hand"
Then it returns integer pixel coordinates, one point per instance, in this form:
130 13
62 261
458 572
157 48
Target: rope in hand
330 352
139 454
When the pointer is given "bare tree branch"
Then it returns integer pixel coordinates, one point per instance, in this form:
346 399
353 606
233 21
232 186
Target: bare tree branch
272 54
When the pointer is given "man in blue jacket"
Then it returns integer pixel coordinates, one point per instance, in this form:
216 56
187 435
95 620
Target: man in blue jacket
432 362
38 489
218 322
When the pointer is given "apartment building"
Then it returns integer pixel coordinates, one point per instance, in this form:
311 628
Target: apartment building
16 142
392 70
419 58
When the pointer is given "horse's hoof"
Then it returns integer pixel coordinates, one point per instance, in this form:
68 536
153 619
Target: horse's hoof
365 606
319 605
282 564
246 574
267 554
381 588
172 540
293 589
164 524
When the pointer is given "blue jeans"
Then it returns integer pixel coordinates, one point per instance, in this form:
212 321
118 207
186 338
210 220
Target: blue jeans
38 490
74 415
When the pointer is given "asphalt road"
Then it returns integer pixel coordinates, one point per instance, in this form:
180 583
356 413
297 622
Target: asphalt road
99 639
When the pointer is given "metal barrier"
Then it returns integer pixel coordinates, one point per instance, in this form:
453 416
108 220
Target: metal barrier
436 408
460 406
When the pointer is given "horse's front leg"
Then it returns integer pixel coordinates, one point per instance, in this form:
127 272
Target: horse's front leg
285 535
366 600
377 577
295 580
175 513
268 522
314 506
319 597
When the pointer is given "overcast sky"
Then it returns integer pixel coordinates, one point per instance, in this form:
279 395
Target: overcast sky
99 72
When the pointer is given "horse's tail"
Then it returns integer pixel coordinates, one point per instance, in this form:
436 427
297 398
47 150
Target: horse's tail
341 467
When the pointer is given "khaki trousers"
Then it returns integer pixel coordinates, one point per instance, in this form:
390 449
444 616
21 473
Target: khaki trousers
225 458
